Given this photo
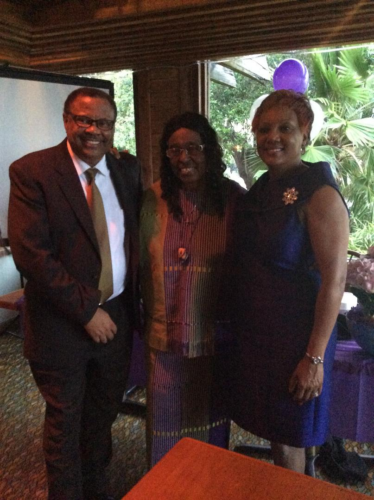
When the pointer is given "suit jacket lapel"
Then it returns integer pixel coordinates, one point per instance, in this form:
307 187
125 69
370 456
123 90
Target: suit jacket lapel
72 188
118 174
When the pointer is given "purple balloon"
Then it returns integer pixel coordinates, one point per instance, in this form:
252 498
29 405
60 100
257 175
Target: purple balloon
291 74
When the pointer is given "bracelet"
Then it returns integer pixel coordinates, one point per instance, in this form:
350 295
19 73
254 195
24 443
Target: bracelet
316 360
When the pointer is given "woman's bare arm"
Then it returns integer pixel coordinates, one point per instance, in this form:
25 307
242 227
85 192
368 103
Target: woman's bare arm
328 226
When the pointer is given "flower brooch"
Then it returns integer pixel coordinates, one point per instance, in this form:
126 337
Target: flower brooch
290 196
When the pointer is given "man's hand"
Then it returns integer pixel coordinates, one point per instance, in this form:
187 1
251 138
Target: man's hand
101 328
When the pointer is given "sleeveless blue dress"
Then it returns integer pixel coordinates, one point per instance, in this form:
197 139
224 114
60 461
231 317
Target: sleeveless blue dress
276 287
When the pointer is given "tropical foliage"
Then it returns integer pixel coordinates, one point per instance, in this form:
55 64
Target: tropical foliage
343 86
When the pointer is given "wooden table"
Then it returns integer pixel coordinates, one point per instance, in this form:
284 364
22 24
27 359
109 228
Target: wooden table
198 471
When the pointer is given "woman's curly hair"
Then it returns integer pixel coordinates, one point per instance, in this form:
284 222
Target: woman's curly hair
296 101
215 167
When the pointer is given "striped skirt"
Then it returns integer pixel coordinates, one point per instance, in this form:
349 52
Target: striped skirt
185 398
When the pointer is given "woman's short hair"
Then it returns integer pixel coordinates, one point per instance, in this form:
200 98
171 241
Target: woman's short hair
296 101
215 166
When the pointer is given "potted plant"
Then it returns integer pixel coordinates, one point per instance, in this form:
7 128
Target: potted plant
360 319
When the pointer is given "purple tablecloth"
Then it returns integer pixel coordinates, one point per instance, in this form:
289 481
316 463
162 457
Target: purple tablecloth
352 405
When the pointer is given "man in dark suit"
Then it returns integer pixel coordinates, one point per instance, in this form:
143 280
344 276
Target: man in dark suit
78 343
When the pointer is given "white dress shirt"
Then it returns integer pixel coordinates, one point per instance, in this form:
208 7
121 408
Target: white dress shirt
114 215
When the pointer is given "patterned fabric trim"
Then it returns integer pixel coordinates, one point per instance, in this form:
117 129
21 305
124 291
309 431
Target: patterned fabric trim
202 428
196 269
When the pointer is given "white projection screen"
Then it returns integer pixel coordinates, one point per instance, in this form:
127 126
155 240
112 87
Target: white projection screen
31 104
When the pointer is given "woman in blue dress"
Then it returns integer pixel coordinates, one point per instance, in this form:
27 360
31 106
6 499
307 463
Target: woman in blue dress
290 259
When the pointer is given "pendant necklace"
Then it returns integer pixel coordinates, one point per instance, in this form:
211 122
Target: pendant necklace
188 227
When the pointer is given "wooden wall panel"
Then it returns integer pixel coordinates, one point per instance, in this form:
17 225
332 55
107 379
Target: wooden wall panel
15 35
63 12
210 32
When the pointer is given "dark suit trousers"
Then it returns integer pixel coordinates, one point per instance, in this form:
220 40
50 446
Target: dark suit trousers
82 401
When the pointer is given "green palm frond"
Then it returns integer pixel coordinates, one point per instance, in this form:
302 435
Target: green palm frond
332 80
367 155
351 161
336 79
361 132
359 191
365 109
331 58
350 87
335 122
354 60
319 69
314 154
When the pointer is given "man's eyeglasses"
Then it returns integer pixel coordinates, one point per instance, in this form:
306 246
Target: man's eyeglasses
191 150
86 122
